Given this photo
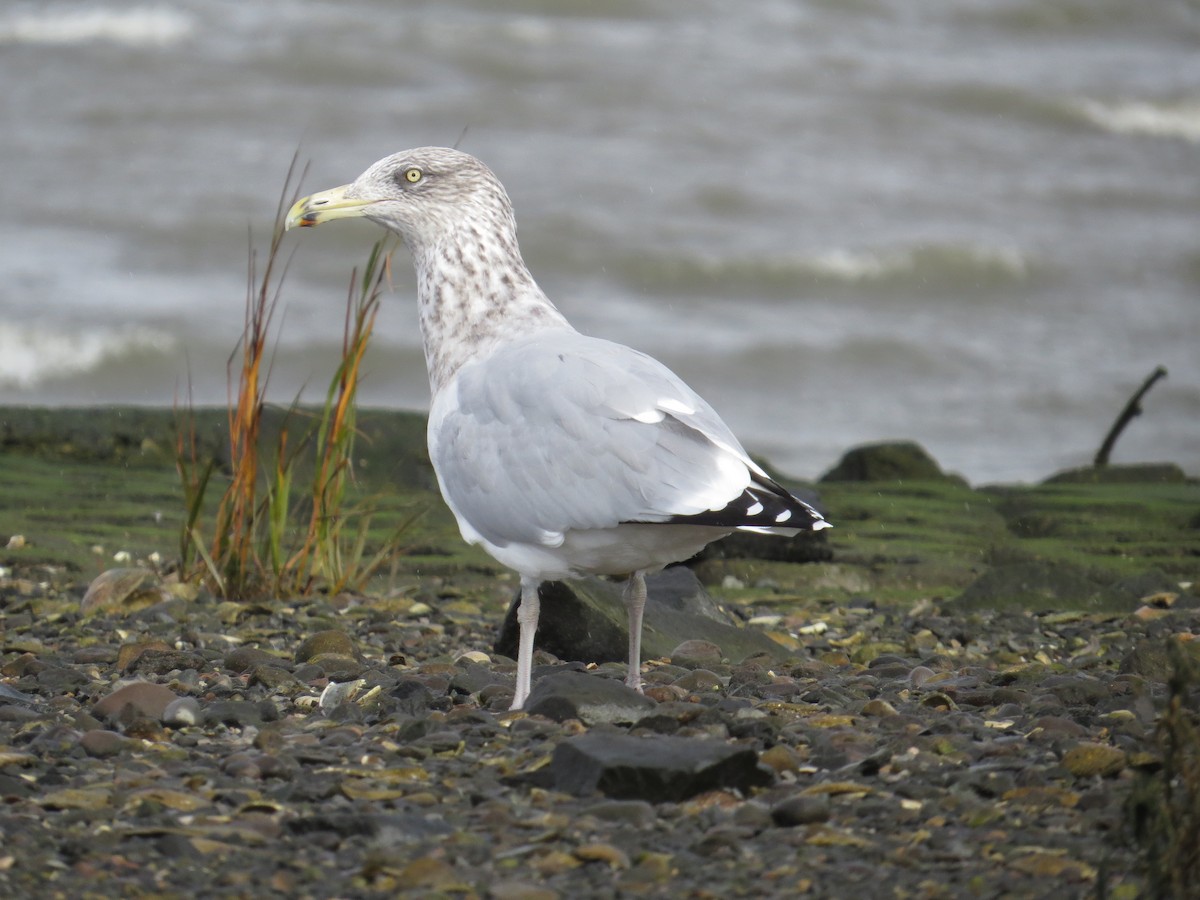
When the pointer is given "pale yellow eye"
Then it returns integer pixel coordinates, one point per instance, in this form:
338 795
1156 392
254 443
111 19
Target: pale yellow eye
412 176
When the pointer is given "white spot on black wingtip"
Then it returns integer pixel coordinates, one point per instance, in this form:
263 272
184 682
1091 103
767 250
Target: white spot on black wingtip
784 516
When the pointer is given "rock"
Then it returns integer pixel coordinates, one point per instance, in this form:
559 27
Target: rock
888 461
182 712
878 708
411 698
127 654
586 621
122 591
1087 759
240 712
325 642
160 662
1150 658
636 813
246 659
592 699
102 744
140 699
801 809
694 654
654 769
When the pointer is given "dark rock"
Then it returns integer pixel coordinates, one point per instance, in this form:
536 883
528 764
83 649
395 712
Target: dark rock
60 679
801 809
654 769
239 712
411 698
587 621
592 699
888 461
471 678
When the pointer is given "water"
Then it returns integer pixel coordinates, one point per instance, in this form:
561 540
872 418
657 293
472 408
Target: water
971 224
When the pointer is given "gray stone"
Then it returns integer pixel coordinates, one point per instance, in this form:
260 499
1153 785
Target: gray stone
586 621
592 699
654 769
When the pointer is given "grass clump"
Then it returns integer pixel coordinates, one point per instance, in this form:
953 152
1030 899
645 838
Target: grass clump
267 537
1163 809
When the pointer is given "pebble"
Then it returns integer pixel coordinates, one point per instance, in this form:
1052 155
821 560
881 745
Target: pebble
135 700
182 712
102 744
324 643
801 809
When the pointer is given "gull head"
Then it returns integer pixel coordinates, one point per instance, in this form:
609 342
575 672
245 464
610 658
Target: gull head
423 195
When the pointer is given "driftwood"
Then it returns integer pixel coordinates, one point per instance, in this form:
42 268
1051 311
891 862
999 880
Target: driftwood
1132 409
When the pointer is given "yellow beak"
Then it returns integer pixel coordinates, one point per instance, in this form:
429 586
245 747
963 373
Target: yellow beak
323 206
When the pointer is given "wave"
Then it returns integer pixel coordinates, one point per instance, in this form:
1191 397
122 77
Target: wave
1180 119
31 355
145 26
930 267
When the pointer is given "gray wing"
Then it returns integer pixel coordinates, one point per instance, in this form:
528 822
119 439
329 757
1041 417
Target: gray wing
561 431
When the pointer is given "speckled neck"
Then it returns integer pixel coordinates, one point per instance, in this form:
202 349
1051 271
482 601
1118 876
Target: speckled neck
474 293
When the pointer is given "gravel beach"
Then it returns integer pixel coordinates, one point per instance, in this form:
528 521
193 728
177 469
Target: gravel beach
341 747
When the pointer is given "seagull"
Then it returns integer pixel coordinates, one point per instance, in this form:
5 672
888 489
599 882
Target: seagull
562 455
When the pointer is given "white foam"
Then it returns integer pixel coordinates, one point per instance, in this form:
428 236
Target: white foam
141 26
867 265
31 354
1162 119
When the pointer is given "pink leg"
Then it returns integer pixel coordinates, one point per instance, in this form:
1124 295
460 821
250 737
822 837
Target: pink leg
635 603
527 619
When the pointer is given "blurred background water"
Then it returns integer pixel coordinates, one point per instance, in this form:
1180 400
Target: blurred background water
974 224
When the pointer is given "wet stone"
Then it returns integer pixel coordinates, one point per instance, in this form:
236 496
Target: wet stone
324 643
246 659
337 666
102 744
590 698
60 679
801 809
695 653
275 679
160 662
138 699
1089 759
182 712
654 769
239 712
